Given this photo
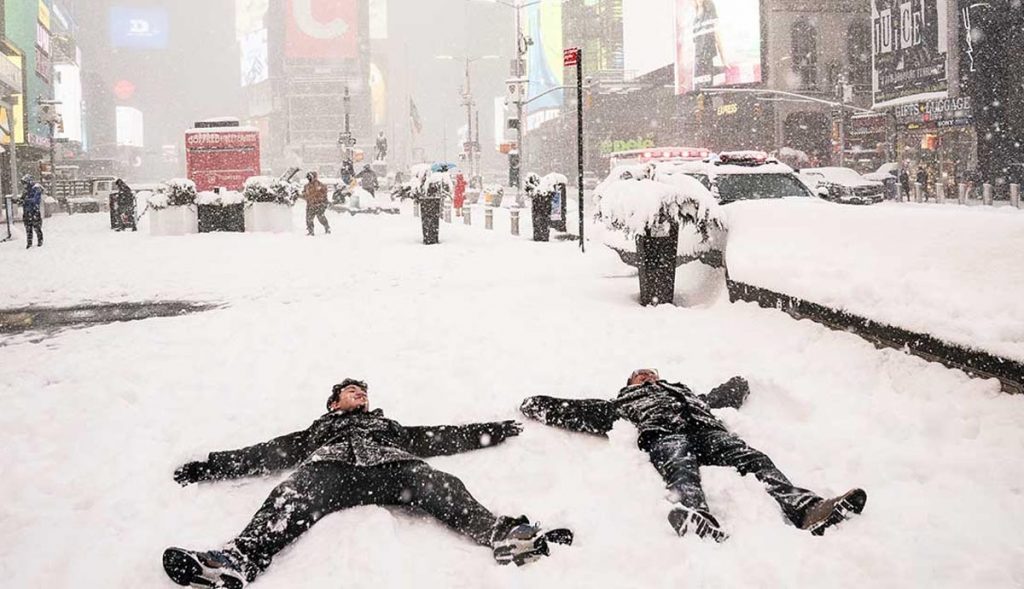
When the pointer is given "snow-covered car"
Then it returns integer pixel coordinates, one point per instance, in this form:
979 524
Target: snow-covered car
735 176
845 185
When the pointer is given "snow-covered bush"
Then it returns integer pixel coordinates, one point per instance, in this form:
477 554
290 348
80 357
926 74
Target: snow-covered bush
180 192
222 199
641 206
270 189
548 183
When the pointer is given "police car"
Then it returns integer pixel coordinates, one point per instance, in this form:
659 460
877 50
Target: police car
742 175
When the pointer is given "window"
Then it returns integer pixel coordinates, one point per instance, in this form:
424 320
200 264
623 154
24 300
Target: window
804 51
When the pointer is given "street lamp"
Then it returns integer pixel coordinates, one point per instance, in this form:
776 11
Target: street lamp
470 147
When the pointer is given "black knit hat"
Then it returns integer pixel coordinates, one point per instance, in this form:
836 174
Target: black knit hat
336 389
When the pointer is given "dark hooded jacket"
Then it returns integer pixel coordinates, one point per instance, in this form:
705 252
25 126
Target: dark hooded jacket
357 438
656 409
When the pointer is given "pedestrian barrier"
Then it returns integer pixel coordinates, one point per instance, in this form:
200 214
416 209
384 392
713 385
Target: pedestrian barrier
962 196
1010 373
467 215
940 193
918 192
448 213
515 221
416 208
1015 195
986 194
488 218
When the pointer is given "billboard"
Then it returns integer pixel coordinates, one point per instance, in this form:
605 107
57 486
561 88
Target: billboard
222 157
544 60
255 58
378 19
718 43
322 29
138 27
909 49
249 16
130 127
68 90
648 35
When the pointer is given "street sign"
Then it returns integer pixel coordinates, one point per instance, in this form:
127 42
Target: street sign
515 89
346 139
571 56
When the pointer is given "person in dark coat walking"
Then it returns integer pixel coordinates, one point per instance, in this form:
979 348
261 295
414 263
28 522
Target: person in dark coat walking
315 195
31 202
368 180
905 185
122 214
922 179
680 434
348 457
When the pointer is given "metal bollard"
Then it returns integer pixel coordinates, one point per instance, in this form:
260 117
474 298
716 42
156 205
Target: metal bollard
986 194
415 208
467 215
1015 195
447 213
489 218
962 196
940 193
918 192
515 221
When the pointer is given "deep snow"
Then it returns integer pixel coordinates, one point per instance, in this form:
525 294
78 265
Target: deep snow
95 420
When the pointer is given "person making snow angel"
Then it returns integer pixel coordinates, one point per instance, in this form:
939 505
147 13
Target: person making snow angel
348 457
680 434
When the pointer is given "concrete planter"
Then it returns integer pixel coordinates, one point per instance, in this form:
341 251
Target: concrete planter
268 217
179 220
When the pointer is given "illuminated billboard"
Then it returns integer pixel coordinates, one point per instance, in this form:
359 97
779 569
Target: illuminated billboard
130 127
67 90
718 43
136 27
544 61
909 51
255 58
648 35
322 29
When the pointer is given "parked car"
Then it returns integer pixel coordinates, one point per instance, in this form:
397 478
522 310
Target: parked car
845 185
743 175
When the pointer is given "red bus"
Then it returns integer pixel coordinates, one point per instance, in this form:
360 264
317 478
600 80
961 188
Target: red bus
222 156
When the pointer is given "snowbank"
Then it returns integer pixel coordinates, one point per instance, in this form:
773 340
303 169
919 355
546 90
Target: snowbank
953 272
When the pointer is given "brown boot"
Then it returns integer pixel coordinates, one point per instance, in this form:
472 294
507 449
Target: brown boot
829 512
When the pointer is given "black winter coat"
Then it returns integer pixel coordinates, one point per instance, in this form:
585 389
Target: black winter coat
358 438
656 409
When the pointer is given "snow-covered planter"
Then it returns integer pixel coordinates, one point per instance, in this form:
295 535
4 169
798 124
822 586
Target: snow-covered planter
269 203
173 211
221 211
658 225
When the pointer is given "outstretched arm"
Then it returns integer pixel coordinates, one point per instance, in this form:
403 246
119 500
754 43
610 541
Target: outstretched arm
731 393
591 416
277 454
444 440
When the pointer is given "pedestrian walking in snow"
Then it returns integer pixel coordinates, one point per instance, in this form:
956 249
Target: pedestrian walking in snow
122 213
905 185
31 202
459 193
922 179
680 434
348 457
368 180
315 195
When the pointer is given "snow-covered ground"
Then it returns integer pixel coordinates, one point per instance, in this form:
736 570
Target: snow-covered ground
950 271
95 420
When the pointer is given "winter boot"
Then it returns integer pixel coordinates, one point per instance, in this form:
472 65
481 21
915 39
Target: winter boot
214 568
829 512
517 540
692 521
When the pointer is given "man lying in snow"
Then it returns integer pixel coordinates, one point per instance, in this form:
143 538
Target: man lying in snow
680 434
352 456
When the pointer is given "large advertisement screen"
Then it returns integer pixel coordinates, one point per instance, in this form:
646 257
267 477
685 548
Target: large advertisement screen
255 58
718 43
648 35
909 50
130 127
322 29
136 27
67 90
544 61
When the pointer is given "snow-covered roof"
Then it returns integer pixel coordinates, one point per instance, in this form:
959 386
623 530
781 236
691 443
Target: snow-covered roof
836 175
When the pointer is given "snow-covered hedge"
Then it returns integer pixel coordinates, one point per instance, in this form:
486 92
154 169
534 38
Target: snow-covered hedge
180 192
222 199
640 206
548 183
270 189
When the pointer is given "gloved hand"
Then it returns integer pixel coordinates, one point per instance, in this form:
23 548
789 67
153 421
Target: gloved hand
510 428
535 407
193 472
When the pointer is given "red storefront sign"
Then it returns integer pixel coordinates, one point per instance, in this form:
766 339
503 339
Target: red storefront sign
222 158
322 29
570 56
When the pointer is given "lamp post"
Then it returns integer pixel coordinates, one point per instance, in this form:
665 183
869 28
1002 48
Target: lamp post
471 147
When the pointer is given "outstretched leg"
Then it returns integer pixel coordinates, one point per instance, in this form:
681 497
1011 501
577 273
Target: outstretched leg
676 461
722 448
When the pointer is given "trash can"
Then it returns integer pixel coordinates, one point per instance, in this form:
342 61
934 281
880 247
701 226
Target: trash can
430 218
656 260
541 213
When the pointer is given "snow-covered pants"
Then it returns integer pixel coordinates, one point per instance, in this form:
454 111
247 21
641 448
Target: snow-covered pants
678 458
317 211
33 222
320 488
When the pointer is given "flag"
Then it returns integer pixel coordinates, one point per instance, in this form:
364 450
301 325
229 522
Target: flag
414 116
